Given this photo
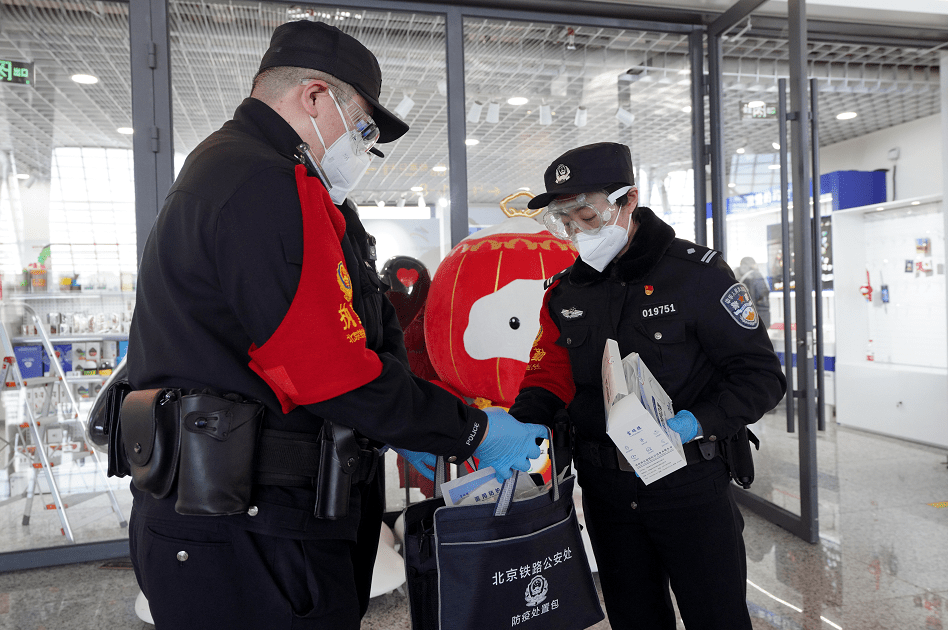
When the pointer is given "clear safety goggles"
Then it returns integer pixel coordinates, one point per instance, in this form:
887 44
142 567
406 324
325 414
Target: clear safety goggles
363 130
586 212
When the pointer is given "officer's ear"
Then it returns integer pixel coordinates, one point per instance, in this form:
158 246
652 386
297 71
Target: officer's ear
312 91
631 203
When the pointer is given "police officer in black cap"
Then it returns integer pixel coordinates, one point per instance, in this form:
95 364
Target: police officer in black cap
694 326
258 283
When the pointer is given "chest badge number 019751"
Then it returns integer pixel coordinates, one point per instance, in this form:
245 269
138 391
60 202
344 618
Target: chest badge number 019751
658 310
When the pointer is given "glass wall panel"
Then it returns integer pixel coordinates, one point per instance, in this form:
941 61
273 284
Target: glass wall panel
535 90
216 50
861 90
67 255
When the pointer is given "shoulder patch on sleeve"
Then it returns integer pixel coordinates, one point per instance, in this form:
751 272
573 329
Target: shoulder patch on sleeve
739 305
693 252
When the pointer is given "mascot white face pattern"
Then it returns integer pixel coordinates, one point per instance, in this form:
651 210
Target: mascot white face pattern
504 324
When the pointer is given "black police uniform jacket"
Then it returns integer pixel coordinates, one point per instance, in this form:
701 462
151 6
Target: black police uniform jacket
679 306
220 271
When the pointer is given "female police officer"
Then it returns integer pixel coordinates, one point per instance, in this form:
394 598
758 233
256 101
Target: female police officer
678 305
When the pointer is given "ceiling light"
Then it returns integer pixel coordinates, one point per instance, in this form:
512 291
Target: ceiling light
686 109
439 168
22 176
417 188
731 185
775 145
684 71
915 203
740 151
757 104
580 120
526 188
86 79
127 131
471 142
404 107
625 117
517 100
493 112
773 166
380 203
545 117
846 116
474 115
442 202
443 87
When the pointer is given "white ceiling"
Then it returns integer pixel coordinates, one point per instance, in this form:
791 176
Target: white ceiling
216 48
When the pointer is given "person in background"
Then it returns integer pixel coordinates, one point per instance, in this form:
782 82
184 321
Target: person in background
694 326
758 287
258 282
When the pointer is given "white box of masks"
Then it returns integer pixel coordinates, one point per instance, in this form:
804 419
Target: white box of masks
637 409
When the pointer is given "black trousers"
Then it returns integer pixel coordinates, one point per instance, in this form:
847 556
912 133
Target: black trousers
687 537
214 576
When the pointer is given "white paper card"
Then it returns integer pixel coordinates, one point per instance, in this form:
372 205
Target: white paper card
481 486
637 409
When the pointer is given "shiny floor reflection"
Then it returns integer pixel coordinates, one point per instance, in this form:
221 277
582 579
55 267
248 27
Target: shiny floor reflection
881 562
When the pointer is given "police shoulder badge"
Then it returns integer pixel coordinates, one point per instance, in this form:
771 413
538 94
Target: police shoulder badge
739 305
562 173
345 282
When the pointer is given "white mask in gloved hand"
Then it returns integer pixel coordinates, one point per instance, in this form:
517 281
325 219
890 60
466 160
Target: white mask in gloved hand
342 165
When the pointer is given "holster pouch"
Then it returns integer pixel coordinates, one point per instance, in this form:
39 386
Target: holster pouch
338 460
105 429
739 457
562 439
218 442
150 438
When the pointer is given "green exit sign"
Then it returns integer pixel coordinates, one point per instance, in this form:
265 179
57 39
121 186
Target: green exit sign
16 72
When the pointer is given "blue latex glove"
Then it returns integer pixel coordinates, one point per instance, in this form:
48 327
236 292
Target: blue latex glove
686 425
508 443
424 463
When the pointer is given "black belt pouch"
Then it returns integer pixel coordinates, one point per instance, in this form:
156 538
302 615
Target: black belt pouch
150 437
218 440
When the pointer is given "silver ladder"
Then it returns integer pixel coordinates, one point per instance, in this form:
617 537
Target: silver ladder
49 416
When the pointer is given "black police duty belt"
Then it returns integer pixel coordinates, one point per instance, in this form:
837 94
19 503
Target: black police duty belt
606 456
292 459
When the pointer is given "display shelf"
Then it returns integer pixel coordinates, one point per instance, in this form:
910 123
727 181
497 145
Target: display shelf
892 349
78 338
57 295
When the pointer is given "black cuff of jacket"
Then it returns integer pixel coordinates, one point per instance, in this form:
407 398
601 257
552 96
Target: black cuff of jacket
535 405
474 429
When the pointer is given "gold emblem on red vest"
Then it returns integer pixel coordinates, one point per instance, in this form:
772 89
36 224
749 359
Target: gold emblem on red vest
345 282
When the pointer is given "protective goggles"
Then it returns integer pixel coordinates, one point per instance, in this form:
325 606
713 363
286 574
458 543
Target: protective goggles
363 130
586 212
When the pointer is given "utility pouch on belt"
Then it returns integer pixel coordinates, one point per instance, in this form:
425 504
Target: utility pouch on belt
218 440
338 460
739 458
103 427
150 439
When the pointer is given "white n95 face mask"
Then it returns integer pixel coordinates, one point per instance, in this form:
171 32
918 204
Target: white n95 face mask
599 249
342 164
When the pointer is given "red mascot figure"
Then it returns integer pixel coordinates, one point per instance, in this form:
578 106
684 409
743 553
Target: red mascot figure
483 309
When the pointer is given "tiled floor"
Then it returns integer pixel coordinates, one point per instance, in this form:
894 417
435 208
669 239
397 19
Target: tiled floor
881 562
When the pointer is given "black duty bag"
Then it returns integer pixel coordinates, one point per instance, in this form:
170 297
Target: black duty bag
499 565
